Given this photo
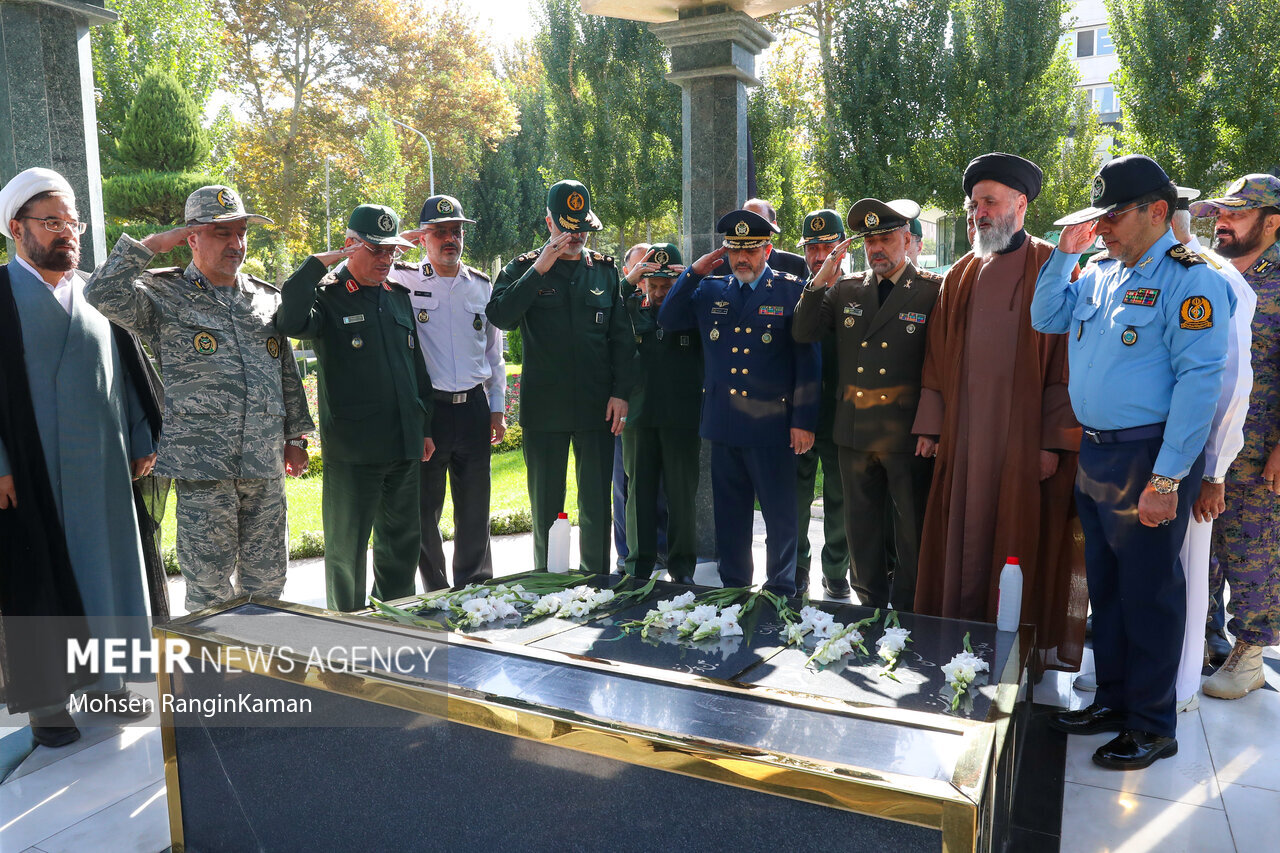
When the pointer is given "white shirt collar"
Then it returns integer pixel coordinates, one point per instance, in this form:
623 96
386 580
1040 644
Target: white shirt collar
67 277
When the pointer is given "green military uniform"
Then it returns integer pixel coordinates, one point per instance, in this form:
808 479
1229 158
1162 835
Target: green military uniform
660 445
823 226
880 352
578 352
375 411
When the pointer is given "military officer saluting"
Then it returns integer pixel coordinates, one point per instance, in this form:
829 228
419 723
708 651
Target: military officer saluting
660 445
578 371
760 393
375 406
879 319
1147 342
463 352
234 409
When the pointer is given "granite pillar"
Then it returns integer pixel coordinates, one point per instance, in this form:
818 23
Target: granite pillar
47 113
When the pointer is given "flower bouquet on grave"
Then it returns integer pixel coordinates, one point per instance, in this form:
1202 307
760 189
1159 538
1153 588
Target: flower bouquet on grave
889 647
694 618
581 600
961 672
841 641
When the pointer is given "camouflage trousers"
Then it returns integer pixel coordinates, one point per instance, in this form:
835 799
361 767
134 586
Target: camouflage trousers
1246 547
231 527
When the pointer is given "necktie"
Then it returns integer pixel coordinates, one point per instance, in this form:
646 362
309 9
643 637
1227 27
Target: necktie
885 286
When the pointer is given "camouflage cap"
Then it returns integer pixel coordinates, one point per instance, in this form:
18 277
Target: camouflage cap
218 204
377 224
665 255
569 203
822 226
1251 191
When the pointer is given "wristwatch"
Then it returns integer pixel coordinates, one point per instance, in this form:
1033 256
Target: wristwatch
1217 481
1163 485
301 441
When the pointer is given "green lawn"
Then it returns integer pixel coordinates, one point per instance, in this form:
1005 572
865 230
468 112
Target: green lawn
510 491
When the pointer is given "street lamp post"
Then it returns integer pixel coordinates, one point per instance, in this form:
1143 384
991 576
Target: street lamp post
431 164
328 229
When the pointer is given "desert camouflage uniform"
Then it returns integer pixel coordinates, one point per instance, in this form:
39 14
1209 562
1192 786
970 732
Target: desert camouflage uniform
232 396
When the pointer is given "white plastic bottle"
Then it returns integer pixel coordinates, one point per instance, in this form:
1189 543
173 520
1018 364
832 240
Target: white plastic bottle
1009 606
558 544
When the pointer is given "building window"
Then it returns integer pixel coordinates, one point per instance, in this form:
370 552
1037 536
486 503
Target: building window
1102 98
1084 43
1102 42
1094 42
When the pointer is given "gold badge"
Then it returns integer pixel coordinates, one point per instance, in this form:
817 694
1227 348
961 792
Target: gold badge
576 202
742 229
357 342
871 220
444 206
1099 187
766 338
715 335
386 223
1129 337
206 344
1197 313
848 322
817 223
477 323
423 316
661 258
273 347
228 199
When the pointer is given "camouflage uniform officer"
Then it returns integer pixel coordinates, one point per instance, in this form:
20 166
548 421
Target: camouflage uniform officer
819 234
660 445
1246 536
375 406
578 352
234 408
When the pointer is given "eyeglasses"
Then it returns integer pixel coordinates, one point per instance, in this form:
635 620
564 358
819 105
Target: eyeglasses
392 252
1112 216
56 225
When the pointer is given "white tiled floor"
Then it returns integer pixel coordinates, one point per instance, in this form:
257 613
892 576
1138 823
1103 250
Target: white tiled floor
1220 793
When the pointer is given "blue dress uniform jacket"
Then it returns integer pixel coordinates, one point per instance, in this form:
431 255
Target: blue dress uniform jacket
759 384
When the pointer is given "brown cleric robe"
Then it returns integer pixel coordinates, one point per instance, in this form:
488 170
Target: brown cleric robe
994 391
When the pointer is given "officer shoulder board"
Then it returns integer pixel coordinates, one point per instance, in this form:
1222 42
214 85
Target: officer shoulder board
604 259
397 286
330 278
529 257
166 272
261 283
786 276
405 265
475 272
1098 258
1185 256
931 277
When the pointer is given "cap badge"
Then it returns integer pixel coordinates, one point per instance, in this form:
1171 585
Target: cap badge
1099 187
386 223
1236 187
871 220
661 258
575 201
227 199
444 206
742 228
817 223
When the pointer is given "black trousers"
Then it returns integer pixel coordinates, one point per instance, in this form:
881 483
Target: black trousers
1136 583
461 434
880 488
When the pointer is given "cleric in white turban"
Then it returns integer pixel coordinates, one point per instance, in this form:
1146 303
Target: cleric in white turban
78 419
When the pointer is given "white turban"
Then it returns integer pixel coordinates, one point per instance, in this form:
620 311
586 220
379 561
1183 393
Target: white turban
25 186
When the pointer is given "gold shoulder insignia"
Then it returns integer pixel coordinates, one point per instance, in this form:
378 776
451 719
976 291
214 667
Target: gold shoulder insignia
528 256
405 265
596 256
166 272
929 276
1208 259
1184 256
330 278
475 272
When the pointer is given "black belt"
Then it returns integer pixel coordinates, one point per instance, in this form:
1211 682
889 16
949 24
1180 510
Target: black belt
455 397
1115 436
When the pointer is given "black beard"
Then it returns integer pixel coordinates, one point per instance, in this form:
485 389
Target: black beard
1241 246
51 258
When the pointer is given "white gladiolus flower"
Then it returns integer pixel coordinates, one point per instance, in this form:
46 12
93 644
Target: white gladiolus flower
892 643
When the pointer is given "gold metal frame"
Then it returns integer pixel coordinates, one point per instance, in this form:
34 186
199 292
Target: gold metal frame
960 808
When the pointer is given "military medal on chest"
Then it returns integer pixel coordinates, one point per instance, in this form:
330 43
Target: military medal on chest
356 342
423 316
477 323
767 337
715 334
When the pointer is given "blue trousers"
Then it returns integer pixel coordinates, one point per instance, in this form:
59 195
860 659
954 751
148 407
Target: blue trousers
1136 583
621 486
739 477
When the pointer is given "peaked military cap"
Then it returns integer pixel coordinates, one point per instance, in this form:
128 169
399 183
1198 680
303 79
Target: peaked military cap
218 204
442 208
377 224
1257 190
743 229
1013 171
917 230
871 216
1118 182
821 226
569 203
665 255
1186 195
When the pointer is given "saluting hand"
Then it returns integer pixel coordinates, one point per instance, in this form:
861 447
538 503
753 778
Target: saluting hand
830 268
642 269
418 236
1076 238
337 255
705 264
551 252
166 241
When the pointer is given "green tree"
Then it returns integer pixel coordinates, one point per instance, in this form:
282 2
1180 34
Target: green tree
1068 173
1247 85
162 130
382 169
178 36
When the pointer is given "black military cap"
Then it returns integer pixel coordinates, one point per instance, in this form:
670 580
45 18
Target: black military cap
743 229
821 226
1117 183
442 208
570 205
665 255
871 216
1011 170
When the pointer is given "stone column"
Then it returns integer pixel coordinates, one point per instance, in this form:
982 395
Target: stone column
713 60
47 113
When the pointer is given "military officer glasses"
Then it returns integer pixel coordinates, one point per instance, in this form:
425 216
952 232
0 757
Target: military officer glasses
1116 214
56 225
392 252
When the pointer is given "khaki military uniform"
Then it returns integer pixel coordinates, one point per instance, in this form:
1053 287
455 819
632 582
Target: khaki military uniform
880 350
232 395
578 352
375 411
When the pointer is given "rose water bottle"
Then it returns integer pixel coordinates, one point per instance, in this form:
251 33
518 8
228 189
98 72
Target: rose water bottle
558 545
1009 605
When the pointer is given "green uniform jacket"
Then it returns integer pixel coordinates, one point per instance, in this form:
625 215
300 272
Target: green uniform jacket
578 344
668 391
375 394
880 354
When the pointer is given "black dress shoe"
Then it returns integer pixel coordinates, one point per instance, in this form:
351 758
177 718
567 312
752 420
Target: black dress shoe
1134 750
835 587
54 730
124 704
1088 721
1218 645
687 580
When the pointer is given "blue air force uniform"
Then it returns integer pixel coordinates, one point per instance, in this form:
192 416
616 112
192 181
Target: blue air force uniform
1147 347
758 385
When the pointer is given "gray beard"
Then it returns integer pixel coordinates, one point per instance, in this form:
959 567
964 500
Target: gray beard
995 238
